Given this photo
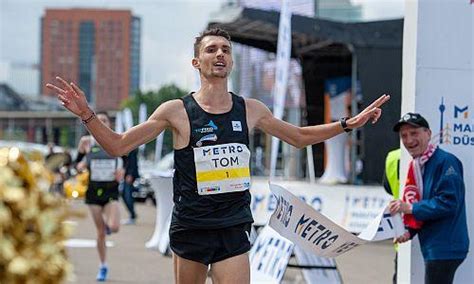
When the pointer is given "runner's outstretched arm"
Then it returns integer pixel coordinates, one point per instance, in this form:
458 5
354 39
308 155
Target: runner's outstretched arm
261 117
115 144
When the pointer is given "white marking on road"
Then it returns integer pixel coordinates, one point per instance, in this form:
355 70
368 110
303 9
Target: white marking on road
85 243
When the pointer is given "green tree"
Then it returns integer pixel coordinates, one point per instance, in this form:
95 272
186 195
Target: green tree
153 100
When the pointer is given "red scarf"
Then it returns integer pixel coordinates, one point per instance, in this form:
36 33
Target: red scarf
413 191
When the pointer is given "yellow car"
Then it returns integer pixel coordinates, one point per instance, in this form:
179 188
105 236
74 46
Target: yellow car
76 186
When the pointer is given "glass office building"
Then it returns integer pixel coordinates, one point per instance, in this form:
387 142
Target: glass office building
97 48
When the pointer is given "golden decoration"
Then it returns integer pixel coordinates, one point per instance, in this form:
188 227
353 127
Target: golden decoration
32 222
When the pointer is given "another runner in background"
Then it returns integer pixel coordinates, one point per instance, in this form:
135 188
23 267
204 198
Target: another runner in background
105 173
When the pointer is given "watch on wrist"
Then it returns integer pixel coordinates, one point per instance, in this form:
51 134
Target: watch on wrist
88 119
343 121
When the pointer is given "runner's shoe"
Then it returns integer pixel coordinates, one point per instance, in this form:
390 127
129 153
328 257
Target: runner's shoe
102 274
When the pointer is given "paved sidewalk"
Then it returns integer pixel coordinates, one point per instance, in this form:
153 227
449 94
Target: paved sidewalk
130 262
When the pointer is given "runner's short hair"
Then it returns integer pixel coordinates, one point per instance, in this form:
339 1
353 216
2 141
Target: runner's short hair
209 32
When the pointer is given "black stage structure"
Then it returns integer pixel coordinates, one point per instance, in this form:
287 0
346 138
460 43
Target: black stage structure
370 52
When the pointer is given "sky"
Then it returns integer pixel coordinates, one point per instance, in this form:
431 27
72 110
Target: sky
168 31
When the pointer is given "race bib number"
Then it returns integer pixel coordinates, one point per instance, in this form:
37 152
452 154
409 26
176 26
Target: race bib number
103 170
222 168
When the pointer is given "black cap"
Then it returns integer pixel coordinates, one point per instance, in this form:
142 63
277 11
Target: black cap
414 119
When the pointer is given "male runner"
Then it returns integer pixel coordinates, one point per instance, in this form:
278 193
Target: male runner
211 217
102 192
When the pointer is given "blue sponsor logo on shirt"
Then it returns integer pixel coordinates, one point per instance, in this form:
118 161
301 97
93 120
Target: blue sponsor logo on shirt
208 128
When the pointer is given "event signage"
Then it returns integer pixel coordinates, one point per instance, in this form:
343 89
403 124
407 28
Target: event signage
351 207
269 256
315 233
456 123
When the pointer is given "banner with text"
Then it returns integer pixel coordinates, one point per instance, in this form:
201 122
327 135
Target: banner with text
269 256
351 207
315 233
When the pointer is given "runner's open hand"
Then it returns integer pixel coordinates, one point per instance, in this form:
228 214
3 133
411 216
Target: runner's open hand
71 97
372 112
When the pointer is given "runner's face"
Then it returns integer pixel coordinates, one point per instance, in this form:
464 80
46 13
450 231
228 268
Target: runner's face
415 139
215 57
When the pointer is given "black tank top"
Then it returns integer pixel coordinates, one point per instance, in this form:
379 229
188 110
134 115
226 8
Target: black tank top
222 210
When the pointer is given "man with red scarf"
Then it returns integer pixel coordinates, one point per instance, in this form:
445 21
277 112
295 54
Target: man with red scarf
432 202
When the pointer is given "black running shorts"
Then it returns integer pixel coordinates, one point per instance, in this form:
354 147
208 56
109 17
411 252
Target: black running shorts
102 193
210 246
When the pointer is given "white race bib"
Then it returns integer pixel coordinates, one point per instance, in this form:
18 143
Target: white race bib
103 170
222 168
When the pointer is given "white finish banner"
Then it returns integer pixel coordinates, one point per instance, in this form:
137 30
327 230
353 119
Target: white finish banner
352 207
315 233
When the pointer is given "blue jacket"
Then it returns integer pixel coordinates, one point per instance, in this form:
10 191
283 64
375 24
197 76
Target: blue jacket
444 233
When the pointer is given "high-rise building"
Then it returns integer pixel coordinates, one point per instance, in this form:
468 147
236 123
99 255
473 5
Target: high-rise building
97 48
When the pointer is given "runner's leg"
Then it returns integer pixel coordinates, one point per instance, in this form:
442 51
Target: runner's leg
231 270
175 268
96 212
188 271
112 215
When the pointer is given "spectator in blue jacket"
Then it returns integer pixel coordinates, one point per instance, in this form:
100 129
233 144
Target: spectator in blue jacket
443 234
